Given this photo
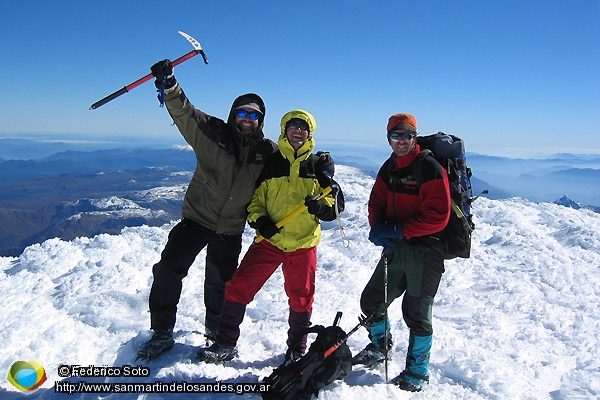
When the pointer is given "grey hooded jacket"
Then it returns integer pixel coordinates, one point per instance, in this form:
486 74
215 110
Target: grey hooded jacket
227 163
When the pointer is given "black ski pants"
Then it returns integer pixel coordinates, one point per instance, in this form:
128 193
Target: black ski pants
186 240
414 270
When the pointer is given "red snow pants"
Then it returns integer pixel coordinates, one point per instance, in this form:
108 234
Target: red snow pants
261 261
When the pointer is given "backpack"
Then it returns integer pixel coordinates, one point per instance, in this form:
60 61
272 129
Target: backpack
328 358
449 152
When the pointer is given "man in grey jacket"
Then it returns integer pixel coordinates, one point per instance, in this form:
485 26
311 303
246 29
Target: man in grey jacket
229 157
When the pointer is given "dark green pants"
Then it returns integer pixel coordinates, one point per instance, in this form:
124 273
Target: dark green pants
414 270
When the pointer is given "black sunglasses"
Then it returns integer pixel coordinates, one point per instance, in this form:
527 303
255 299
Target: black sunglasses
394 137
303 126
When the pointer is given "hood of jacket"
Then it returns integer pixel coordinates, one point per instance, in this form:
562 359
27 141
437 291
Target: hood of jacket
253 97
307 147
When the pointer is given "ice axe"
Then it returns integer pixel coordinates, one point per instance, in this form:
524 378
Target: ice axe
185 57
297 211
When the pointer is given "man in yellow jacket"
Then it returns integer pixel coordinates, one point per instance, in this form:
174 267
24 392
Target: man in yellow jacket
292 176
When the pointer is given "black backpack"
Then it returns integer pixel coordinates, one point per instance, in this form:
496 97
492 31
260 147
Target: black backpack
449 152
328 358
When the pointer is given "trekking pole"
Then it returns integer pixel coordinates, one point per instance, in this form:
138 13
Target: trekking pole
185 57
385 300
296 212
472 199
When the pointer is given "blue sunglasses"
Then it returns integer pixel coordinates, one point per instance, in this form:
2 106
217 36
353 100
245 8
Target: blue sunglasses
254 115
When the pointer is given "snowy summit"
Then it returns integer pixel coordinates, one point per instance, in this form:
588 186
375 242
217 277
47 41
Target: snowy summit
518 320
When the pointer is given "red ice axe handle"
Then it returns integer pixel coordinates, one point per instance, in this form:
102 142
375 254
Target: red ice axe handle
146 78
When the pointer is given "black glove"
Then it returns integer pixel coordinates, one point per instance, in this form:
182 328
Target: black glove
161 70
315 207
324 169
265 227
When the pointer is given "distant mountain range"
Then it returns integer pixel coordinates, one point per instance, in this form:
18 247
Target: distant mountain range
92 162
70 205
567 202
547 179
75 193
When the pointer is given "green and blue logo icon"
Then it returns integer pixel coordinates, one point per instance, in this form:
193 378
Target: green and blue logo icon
27 375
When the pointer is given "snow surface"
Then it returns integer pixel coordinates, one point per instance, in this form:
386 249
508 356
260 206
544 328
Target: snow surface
117 207
518 320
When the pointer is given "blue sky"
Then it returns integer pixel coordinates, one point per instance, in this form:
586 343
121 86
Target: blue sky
511 77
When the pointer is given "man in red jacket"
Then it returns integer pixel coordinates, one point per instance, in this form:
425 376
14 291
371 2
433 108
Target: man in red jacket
409 208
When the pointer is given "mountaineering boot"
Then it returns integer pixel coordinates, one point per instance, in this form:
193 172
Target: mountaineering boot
297 336
223 348
294 355
211 337
161 341
375 351
403 381
216 353
416 373
370 355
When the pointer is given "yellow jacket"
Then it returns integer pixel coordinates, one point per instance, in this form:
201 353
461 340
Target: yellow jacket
286 179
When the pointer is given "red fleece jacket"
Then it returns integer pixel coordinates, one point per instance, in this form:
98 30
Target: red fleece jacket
423 210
